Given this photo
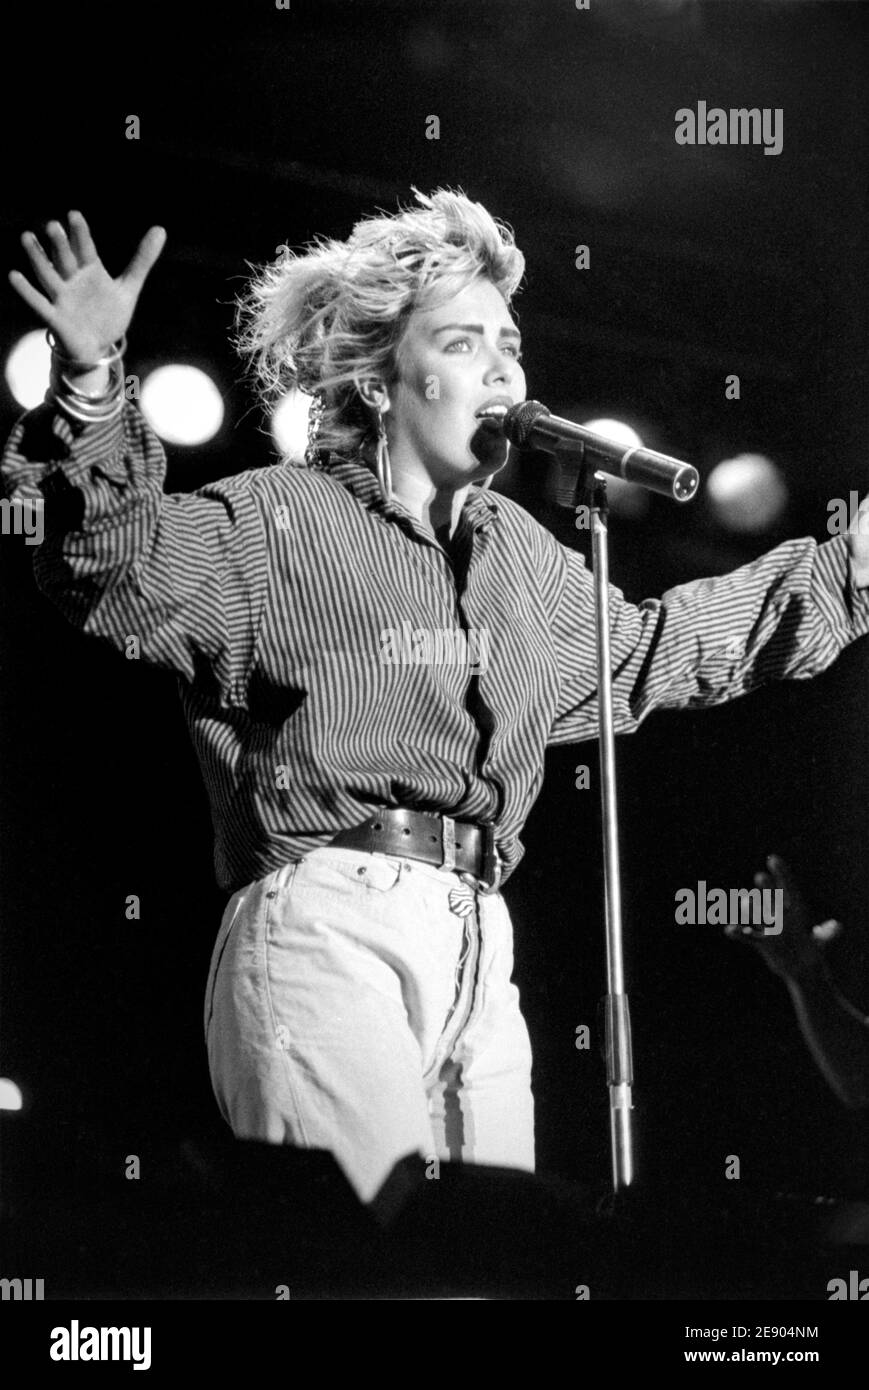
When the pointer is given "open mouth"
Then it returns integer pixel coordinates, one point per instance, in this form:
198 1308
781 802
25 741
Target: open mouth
489 442
492 416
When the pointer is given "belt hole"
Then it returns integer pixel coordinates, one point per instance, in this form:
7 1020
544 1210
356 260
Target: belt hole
378 825
433 839
405 831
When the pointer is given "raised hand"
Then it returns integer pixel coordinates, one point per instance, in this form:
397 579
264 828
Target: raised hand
86 310
796 949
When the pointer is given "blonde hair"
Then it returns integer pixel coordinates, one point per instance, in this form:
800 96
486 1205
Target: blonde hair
331 316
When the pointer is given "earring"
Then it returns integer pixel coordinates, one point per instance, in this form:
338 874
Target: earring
384 470
315 418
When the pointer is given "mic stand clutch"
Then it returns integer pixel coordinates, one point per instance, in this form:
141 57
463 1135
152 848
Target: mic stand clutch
619 1053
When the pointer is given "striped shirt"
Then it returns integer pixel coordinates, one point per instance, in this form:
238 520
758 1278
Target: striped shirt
334 658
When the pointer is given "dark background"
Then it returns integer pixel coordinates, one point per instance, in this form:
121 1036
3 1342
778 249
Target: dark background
260 126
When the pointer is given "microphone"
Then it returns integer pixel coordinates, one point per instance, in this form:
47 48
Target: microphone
531 426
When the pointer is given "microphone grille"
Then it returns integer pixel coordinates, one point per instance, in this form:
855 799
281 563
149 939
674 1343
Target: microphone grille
519 420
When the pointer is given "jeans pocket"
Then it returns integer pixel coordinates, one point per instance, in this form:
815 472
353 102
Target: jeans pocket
230 916
379 872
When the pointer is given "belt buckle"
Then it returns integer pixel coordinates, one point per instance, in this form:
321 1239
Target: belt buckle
493 864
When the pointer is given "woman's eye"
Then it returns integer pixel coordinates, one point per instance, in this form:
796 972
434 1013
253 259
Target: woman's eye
459 344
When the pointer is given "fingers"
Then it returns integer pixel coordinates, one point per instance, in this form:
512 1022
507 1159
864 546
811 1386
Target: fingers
827 931
736 931
148 250
68 253
862 510
743 929
42 267
38 302
81 239
64 258
779 876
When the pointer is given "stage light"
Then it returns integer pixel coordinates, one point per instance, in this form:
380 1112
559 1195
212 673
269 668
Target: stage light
182 404
10 1095
747 493
27 369
616 430
625 499
289 425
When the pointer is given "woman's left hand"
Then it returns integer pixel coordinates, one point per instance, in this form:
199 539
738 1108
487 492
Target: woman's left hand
858 544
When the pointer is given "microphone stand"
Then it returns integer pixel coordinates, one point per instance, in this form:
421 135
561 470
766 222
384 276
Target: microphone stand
619 1052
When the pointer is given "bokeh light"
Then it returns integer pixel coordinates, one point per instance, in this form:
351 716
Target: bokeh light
27 369
289 425
10 1095
747 493
625 499
182 404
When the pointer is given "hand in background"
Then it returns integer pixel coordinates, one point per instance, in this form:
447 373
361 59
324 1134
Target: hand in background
797 949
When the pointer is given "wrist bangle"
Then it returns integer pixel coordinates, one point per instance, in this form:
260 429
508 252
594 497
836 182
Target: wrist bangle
88 415
66 385
82 406
117 352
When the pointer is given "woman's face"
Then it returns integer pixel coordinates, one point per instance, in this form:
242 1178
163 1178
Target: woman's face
453 362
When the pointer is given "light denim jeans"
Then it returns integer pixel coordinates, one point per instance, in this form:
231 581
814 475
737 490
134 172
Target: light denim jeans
363 1004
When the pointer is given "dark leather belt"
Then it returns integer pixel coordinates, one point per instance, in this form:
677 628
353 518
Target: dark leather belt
460 845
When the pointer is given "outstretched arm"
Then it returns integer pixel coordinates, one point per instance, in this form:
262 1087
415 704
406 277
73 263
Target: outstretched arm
788 614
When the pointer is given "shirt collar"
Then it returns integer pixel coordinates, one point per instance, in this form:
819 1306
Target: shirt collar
479 510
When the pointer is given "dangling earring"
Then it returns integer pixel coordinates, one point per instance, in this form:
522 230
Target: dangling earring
315 418
384 470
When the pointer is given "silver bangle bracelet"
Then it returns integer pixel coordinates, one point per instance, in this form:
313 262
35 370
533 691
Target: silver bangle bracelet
82 406
91 415
117 352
